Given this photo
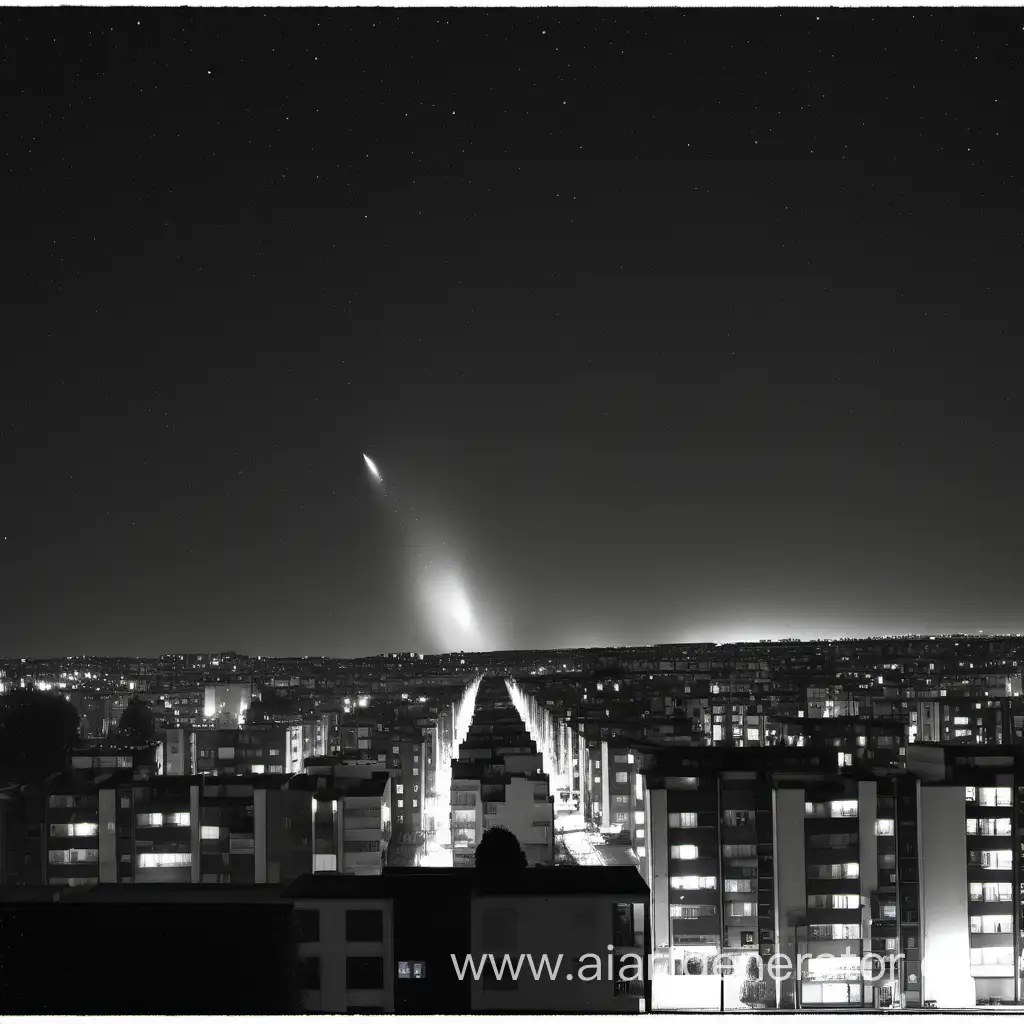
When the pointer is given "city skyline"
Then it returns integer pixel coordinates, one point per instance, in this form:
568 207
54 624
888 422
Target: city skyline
661 326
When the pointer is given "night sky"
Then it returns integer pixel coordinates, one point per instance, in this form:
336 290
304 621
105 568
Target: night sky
661 326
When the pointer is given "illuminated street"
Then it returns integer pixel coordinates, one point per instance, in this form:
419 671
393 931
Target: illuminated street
588 846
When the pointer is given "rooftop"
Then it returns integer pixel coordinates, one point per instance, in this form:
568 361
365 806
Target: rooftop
558 881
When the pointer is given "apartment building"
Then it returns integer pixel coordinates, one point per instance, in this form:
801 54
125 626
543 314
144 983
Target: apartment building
227 704
769 852
121 828
484 795
257 750
363 947
972 828
407 761
350 820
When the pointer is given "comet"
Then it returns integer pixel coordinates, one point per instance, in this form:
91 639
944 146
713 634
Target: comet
372 467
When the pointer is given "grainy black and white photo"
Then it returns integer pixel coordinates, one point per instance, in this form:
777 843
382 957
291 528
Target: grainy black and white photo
511 510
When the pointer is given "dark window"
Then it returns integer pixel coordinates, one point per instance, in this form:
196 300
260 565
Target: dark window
364 926
622 924
309 973
364 972
307 925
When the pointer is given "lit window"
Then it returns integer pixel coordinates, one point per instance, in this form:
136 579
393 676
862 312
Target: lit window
79 828
992 924
741 851
638 817
73 856
738 885
621 778
736 909
210 832
399 789
693 882
988 826
991 892
688 820
994 860
638 833
165 860
995 796
834 931
687 852
415 771
885 827
843 808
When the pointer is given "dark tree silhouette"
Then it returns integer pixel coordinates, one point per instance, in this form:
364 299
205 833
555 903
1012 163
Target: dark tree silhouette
136 724
269 704
38 731
499 848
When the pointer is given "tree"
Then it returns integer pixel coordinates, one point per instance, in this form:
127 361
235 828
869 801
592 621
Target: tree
499 849
136 724
754 991
37 734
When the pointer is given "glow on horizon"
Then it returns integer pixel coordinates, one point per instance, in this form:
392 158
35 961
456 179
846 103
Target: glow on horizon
447 608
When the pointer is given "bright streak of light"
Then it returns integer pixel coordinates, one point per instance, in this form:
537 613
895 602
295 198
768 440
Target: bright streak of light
372 467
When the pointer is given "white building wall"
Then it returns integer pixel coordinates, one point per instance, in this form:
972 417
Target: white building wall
867 816
571 925
197 831
945 930
529 818
333 949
